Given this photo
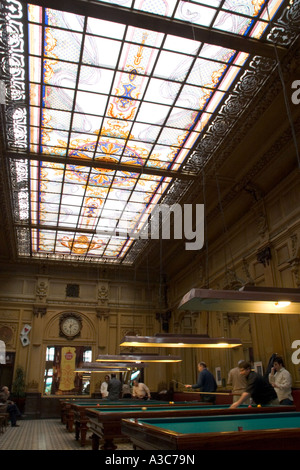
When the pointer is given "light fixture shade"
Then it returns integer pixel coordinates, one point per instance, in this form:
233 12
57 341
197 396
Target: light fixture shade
138 358
107 365
248 300
180 341
89 370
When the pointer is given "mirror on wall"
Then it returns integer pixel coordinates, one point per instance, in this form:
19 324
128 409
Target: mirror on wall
60 363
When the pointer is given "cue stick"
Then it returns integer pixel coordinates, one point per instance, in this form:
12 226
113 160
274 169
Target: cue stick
208 393
217 393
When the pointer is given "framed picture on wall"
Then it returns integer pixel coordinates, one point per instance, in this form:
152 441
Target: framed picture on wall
218 376
258 367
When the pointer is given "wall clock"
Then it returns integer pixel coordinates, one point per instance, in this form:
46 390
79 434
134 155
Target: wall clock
70 325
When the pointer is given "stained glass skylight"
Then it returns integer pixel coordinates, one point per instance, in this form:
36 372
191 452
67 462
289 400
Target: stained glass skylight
106 115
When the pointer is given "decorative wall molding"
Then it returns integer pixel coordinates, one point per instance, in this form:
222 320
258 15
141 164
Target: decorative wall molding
264 256
103 294
41 290
39 311
102 313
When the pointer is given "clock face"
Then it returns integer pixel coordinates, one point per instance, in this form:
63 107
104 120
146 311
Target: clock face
70 326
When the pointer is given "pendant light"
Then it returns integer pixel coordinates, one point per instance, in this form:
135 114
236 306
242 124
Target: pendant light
180 341
247 300
137 358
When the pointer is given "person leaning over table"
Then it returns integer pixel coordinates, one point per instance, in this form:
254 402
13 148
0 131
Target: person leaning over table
258 388
140 390
281 380
206 383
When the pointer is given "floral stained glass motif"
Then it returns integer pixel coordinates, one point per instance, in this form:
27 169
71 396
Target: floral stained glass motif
112 109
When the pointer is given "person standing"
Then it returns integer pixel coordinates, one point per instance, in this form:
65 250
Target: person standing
140 390
206 383
238 383
258 388
281 380
104 385
126 391
114 388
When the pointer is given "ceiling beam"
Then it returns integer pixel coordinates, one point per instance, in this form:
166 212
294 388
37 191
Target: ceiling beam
78 231
55 228
166 25
99 164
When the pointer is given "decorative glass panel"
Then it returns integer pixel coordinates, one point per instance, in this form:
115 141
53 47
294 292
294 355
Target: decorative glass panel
100 113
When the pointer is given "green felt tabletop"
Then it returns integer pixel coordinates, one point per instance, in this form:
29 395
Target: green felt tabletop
103 402
207 424
141 403
168 407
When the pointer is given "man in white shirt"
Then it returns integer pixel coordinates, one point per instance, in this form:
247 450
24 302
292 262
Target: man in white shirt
104 385
281 380
140 390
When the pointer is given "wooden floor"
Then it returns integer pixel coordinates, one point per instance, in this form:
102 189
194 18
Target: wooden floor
44 434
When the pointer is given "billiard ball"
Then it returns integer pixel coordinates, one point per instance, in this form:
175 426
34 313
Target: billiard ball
144 408
258 406
171 403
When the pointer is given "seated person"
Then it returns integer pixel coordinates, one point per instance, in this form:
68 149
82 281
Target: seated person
8 406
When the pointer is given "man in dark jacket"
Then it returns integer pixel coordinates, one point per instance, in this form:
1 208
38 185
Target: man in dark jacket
206 383
258 388
114 388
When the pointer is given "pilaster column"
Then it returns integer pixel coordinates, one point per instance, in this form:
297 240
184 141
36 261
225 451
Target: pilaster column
102 313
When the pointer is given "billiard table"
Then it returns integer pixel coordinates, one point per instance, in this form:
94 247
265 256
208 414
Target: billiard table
65 406
75 411
67 413
106 424
260 431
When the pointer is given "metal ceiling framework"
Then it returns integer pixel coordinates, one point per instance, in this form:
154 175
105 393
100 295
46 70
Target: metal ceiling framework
165 25
23 161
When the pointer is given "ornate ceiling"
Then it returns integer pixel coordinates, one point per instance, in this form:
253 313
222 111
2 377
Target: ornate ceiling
111 110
